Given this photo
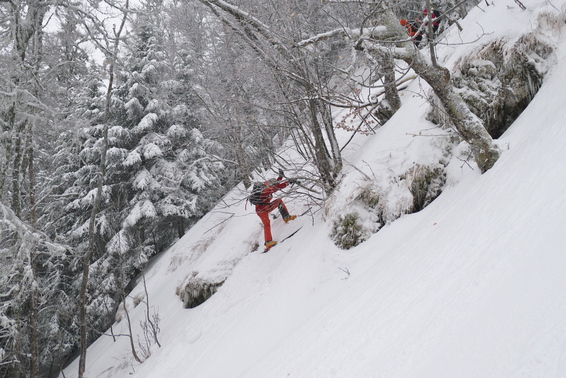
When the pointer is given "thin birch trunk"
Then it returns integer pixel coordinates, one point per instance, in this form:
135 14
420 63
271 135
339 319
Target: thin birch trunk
95 208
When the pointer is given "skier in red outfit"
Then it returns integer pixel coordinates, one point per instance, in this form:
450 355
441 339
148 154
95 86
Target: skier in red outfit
267 205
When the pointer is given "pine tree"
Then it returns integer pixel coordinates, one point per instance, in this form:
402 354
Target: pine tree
162 173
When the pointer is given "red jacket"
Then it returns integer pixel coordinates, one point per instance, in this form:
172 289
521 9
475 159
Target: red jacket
270 188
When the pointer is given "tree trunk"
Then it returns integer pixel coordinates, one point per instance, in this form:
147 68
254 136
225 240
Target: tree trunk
468 125
321 152
328 121
17 350
10 120
95 207
387 71
34 292
17 144
33 323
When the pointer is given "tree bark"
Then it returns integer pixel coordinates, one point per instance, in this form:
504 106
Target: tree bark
17 143
34 291
387 71
321 152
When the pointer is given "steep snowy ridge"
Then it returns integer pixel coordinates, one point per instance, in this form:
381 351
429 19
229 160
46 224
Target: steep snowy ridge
471 286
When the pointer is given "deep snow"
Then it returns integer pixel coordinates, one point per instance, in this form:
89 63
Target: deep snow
472 286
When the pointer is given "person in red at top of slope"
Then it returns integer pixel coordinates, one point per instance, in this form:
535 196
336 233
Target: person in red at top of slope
267 205
434 15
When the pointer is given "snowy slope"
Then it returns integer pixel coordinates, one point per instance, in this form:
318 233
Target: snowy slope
472 286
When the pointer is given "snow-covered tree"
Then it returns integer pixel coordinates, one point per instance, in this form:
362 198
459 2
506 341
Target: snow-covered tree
31 286
389 37
301 82
234 91
168 170
161 173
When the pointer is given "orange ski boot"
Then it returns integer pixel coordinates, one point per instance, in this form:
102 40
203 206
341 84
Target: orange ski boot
289 218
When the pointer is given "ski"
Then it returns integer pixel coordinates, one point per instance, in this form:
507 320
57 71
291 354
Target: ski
288 236
306 211
282 240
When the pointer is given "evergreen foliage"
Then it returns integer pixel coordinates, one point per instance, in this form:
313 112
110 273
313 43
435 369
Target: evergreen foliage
347 232
162 173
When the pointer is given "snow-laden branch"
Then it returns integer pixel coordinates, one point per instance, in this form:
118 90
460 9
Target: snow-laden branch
245 19
377 32
24 231
245 36
237 12
8 217
327 35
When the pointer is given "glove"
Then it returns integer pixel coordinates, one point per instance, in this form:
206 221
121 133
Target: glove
281 173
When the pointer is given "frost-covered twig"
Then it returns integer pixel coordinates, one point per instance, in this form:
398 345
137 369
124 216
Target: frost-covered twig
219 224
153 323
130 335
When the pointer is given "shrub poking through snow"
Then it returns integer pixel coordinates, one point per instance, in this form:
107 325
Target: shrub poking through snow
373 204
347 231
425 184
195 290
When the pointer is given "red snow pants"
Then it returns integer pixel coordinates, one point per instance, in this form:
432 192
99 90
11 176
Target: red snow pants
263 213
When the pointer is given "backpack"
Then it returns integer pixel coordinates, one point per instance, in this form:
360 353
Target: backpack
414 26
255 196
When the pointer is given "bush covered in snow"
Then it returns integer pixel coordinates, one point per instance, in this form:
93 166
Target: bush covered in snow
500 79
347 232
425 183
374 203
